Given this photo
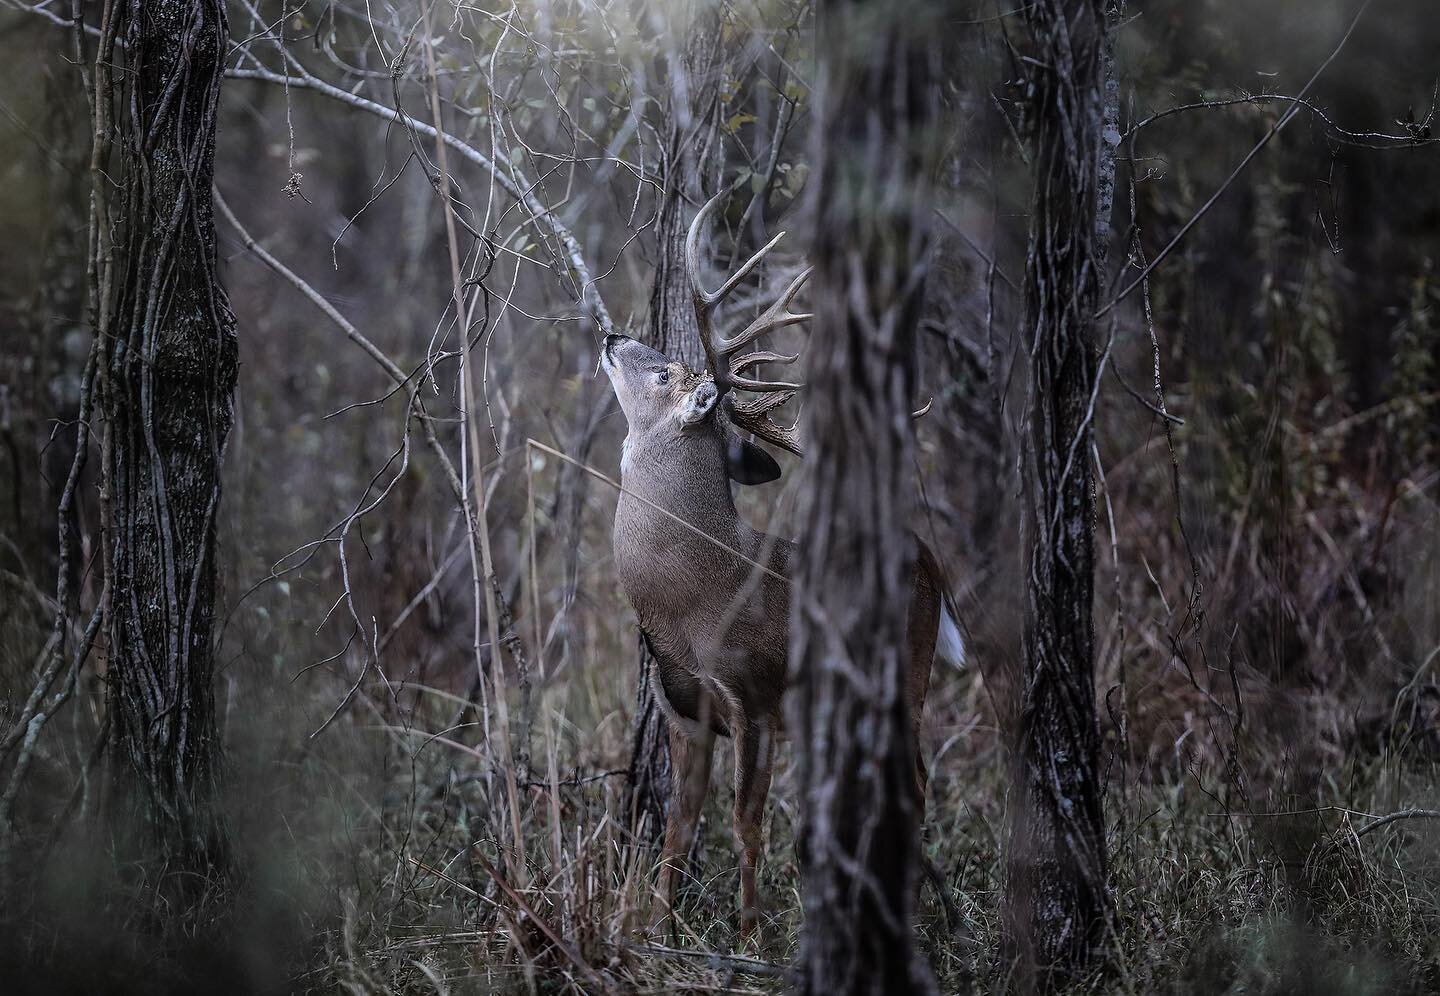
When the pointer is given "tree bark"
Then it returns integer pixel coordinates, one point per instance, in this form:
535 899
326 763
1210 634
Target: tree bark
170 370
1056 900
873 158
689 131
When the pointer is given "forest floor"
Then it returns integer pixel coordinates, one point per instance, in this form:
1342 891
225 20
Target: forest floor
371 865
1218 886
376 854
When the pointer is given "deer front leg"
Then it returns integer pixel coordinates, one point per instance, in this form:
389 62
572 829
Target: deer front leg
689 779
754 754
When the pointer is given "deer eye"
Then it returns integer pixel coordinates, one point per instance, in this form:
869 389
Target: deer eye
662 376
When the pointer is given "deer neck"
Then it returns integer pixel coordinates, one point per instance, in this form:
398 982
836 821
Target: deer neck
684 474
668 568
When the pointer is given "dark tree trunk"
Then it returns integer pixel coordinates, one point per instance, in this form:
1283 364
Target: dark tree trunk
689 141
170 374
1056 902
689 131
873 154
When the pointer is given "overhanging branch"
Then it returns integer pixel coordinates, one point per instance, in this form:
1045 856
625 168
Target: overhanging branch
502 171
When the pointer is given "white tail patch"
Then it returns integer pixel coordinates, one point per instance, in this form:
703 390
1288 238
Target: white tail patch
950 644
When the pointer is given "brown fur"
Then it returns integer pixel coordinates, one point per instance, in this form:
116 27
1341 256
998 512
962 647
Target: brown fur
717 624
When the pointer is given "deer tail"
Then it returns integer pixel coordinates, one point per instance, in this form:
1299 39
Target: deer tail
950 642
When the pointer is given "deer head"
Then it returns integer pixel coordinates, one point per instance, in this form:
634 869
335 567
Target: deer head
657 394
671 409
666 404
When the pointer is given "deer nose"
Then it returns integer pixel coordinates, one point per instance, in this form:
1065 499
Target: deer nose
611 341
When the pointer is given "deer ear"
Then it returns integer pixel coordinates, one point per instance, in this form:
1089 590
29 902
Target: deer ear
698 403
746 463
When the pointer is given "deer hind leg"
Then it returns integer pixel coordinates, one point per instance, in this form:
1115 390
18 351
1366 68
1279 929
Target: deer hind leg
690 757
754 757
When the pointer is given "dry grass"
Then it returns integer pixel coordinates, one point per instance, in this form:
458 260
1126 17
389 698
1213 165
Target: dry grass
1214 893
379 853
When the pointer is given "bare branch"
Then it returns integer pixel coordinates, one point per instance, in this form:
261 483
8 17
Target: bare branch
1275 129
500 169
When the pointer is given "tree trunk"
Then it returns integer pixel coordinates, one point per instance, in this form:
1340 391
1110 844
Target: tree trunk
689 136
873 172
1056 902
170 374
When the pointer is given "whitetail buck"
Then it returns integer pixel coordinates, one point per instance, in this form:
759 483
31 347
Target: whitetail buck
712 594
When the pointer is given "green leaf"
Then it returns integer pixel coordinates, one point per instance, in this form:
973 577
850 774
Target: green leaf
737 121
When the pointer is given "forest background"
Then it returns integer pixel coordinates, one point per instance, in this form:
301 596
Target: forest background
1267 430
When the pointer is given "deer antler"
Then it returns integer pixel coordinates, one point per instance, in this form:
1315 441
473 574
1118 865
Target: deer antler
721 351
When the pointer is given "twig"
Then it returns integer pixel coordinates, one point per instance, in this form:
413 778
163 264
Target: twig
1176 419
576 780
715 960
1349 137
1404 814
483 571
1314 811
990 260
501 171
315 297
461 886
566 948
1280 123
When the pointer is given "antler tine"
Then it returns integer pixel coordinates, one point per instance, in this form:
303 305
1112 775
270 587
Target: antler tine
763 386
754 417
777 316
717 348
692 256
692 250
741 363
746 267
750 415
756 407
